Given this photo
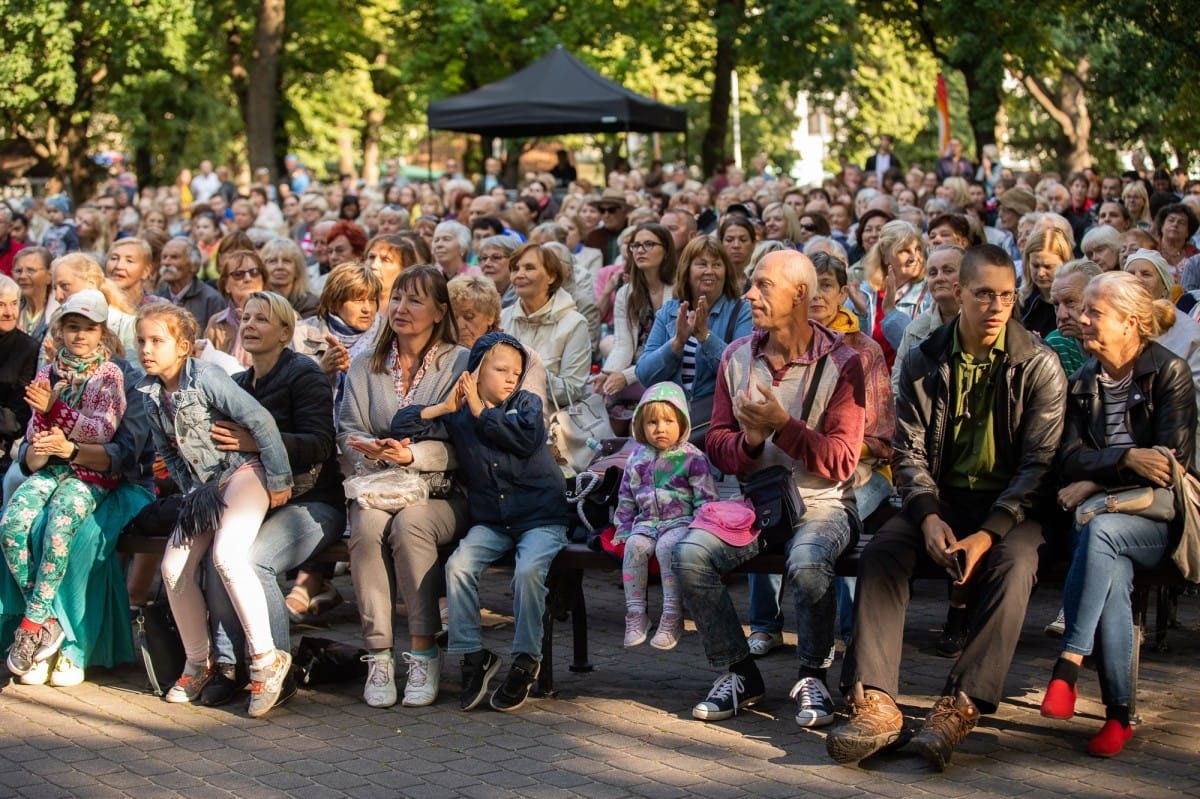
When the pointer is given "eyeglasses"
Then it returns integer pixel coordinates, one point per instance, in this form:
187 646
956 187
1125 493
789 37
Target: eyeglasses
642 246
485 259
986 297
808 228
608 209
242 274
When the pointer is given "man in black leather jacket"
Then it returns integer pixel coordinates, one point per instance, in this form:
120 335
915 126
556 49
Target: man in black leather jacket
979 416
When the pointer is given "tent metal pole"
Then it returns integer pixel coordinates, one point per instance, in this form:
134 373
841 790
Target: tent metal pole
429 154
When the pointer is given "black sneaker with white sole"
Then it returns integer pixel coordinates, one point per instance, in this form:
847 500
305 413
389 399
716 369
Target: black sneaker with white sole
478 669
515 689
730 693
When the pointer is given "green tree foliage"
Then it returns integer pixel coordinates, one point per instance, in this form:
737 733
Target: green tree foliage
69 67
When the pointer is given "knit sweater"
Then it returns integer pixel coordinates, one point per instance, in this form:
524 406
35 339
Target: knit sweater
93 421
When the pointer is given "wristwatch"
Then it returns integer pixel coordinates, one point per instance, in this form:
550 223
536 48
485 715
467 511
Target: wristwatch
74 452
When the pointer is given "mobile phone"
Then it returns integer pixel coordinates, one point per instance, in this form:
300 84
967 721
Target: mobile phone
959 559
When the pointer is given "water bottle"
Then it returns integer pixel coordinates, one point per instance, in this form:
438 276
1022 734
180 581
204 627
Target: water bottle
593 444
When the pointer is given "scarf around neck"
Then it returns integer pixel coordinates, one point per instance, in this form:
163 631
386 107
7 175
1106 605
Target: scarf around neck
73 373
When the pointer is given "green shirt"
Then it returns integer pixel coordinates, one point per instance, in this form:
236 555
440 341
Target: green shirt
974 463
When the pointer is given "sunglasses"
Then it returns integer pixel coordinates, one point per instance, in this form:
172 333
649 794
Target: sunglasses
809 228
242 274
608 209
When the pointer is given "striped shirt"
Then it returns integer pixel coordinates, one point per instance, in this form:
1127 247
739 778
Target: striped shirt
1114 395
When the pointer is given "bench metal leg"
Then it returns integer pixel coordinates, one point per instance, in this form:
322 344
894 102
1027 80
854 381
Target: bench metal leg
579 627
1140 598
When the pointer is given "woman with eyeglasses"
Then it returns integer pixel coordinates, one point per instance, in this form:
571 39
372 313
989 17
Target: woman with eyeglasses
650 261
812 225
242 274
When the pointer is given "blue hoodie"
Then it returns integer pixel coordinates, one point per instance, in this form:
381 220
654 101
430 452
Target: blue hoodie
510 475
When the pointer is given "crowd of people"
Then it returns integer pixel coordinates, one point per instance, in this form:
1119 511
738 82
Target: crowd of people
990 349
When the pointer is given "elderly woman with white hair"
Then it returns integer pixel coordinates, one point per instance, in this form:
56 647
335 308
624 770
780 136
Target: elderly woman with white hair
450 247
1101 246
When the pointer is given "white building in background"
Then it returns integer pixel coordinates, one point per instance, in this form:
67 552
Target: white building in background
810 140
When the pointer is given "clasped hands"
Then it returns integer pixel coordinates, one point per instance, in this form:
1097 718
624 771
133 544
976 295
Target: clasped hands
759 414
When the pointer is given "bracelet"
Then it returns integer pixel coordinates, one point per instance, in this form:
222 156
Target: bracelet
74 452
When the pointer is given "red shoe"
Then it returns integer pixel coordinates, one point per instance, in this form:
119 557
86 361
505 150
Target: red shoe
1059 702
1110 740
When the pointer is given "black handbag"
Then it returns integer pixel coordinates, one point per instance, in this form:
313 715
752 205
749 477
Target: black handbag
778 506
157 638
321 660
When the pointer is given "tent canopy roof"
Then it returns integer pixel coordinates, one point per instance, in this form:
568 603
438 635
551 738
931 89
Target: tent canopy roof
555 95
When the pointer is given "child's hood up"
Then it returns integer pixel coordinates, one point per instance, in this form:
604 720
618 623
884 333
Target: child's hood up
484 344
663 392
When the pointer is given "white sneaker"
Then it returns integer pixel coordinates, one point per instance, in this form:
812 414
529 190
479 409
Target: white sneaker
636 627
38 674
66 674
380 690
762 643
1058 627
421 688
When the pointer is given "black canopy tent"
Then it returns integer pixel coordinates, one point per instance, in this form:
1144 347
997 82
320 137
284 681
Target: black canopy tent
555 95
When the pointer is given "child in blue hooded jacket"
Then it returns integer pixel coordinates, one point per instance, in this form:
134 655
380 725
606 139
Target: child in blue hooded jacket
517 500
666 479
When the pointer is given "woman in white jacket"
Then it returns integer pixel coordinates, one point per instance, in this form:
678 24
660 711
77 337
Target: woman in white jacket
544 320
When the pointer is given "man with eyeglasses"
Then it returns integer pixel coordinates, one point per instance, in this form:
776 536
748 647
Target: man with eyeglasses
614 213
978 420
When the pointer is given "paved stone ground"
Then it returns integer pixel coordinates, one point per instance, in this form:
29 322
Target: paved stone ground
623 730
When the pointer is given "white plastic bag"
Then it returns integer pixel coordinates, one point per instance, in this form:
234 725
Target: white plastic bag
387 490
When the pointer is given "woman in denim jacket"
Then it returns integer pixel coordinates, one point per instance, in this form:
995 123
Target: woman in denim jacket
184 398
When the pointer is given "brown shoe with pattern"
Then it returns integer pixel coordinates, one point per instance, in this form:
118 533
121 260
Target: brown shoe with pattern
873 723
947 725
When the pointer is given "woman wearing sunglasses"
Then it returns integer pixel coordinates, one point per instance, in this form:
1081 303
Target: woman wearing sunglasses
242 274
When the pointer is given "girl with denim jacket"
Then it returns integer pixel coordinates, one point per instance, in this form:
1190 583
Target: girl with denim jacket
184 398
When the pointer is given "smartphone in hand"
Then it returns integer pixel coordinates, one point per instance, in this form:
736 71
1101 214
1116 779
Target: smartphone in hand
959 559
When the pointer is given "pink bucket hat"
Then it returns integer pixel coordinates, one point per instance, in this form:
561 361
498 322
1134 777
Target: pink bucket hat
732 521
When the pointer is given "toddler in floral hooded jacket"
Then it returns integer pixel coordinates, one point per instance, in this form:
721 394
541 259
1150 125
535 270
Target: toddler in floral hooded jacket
666 479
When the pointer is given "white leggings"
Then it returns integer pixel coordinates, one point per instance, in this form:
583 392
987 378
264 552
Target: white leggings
246 505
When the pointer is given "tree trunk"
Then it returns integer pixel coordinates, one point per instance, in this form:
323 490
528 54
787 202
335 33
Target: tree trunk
372 129
73 164
262 85
1067 105
345 145
727 15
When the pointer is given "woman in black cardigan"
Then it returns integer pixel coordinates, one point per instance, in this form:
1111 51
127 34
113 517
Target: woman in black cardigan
296 392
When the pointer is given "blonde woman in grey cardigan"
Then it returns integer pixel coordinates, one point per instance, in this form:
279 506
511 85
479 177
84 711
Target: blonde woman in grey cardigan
415 361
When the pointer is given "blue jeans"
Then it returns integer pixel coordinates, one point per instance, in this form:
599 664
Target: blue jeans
766 590
535 550
702 559
289 536
1096 594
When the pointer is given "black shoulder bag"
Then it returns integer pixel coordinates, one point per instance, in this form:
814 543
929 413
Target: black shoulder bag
777 503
